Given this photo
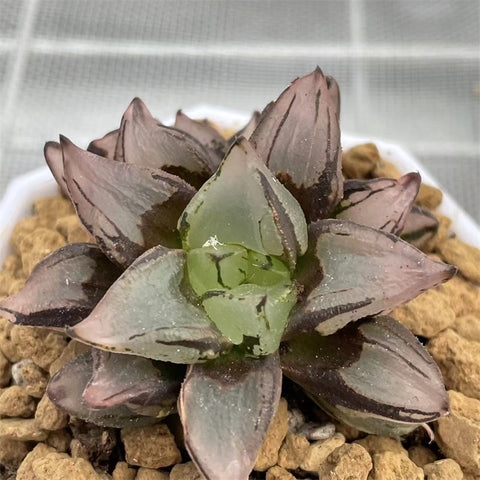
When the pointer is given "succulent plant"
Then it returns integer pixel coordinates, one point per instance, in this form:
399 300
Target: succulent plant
240 259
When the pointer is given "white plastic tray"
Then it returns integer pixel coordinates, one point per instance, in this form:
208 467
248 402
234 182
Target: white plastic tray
23 190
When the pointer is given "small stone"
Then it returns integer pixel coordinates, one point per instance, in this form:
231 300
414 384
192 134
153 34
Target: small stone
53 207
60 466
379 444
15 402
278 473
13 265
59 440
150 474
350 433
25 471
12 452
458 434
268 454
466 257
7 345
429 197
35 246
348 462
394 466
384 169
428 314
293 451
123 472
446 469
78 449
151 447
360 161
6 279
25 227
5 370
72 350
319 451
458 360
48 416
30 376
41 345
186 471
316 431
464 296
295 419
421 455
468 327
21 429
72 229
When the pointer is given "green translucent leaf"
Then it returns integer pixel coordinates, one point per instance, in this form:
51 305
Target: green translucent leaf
266 270
244 204
253 314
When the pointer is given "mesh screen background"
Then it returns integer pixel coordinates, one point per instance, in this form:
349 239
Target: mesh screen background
409 71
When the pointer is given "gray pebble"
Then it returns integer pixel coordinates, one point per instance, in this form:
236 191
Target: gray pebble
316 431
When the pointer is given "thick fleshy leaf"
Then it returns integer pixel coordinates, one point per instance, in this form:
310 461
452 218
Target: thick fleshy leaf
126 379
105 146
421 225
65 391
351 271
247 130
226 407
63 288
145 313
244 204
54 158
206 134
144 141
381 203
298 137
374 375
126 208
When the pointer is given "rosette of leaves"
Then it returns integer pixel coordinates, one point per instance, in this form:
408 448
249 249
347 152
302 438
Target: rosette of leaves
217 266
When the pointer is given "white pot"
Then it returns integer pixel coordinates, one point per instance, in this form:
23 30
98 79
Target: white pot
23 190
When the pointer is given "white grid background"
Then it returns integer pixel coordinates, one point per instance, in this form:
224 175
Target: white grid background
409 70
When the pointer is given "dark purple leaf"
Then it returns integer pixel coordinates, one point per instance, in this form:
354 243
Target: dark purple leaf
421 225
382 203
206 134
374 375
65 391
105 146
63 288
226 407
247 130
351 271
298 137
145 313
54 158
144 141
128 209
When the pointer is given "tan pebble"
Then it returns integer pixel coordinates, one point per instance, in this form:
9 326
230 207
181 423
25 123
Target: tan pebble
465 257
13 265
468 327
470 476
278 473
384 169
443 232
459 361
268 455
35 246
360 161
185 471
12 452
293 451
30 376
41 345
25 227
421 455
25 471
5 370
72 350
446 469
103 475
21 429
78 449
379 444
123 472
60 466
15 402
73 230
319 451
458 434
7 345
464 296
59 440
16 285
350 433
429 197
6 280
394 466
428 314
53 207
348 462
150 474
151 447
48 416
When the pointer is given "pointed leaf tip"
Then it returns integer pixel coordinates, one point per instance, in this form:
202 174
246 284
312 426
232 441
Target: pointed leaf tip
105 146
54 158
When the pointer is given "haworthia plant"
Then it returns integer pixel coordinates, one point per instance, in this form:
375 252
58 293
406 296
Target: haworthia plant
239 258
